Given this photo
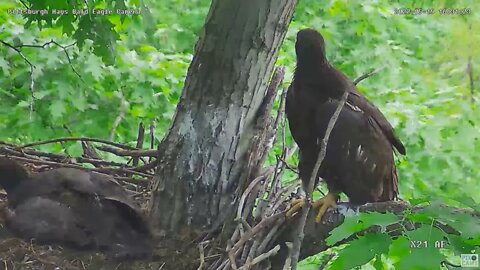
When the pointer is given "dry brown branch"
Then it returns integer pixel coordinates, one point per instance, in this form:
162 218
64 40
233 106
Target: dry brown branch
152 137
269 236
202 255
250 234
366 75
261 257
140 139
89 150
121 171
288 261
63 47
129 153
471 79
245 208
119 145
146 167
31 153
107 170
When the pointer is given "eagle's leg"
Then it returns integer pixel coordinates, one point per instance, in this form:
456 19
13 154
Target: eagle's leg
296 205
330 200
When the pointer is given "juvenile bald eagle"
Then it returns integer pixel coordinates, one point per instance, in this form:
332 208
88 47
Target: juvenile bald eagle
83 210
359 156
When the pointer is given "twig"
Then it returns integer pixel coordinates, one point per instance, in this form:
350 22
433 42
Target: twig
290 167
129 153
325 262
32 68
368 74
288 190
202 255
25 152
263 256
279 119
119 118
152 137
269 236
119 145
288 260
323 150
89 150
281 108
68 165
24 4
32 154
247 248
63 47
250 234
471 79
140 139
134 181
147 167
249 189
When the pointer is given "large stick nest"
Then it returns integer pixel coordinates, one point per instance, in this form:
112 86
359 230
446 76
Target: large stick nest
134 174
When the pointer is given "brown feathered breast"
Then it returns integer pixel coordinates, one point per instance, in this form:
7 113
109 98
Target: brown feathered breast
359 157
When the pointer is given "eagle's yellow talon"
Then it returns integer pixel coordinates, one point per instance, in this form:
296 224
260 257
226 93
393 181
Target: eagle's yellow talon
330 200
296 205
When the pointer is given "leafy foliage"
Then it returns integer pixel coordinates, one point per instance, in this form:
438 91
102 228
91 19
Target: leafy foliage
132 67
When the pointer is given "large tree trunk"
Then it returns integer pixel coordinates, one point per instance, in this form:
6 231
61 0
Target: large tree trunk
203 164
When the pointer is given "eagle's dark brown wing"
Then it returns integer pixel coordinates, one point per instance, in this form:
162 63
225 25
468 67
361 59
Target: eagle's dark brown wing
359 159
357 99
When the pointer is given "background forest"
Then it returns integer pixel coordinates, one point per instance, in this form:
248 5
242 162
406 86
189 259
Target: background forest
123 70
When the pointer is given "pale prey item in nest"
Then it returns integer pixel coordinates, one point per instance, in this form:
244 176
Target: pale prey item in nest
75 208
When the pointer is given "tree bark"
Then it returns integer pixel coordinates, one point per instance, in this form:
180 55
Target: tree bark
203 163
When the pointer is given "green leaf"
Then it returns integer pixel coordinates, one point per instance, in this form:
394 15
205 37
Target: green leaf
460 245
4 66
23 104
426 235
421 259
465 223
66 23
80 102
41 94
399 248
424 256
349 226
57 109
352 225
380 219
468 201
120 4
94 67
361 250
378 264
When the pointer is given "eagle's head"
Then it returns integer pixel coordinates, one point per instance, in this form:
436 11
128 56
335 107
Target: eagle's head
310 44
11 174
